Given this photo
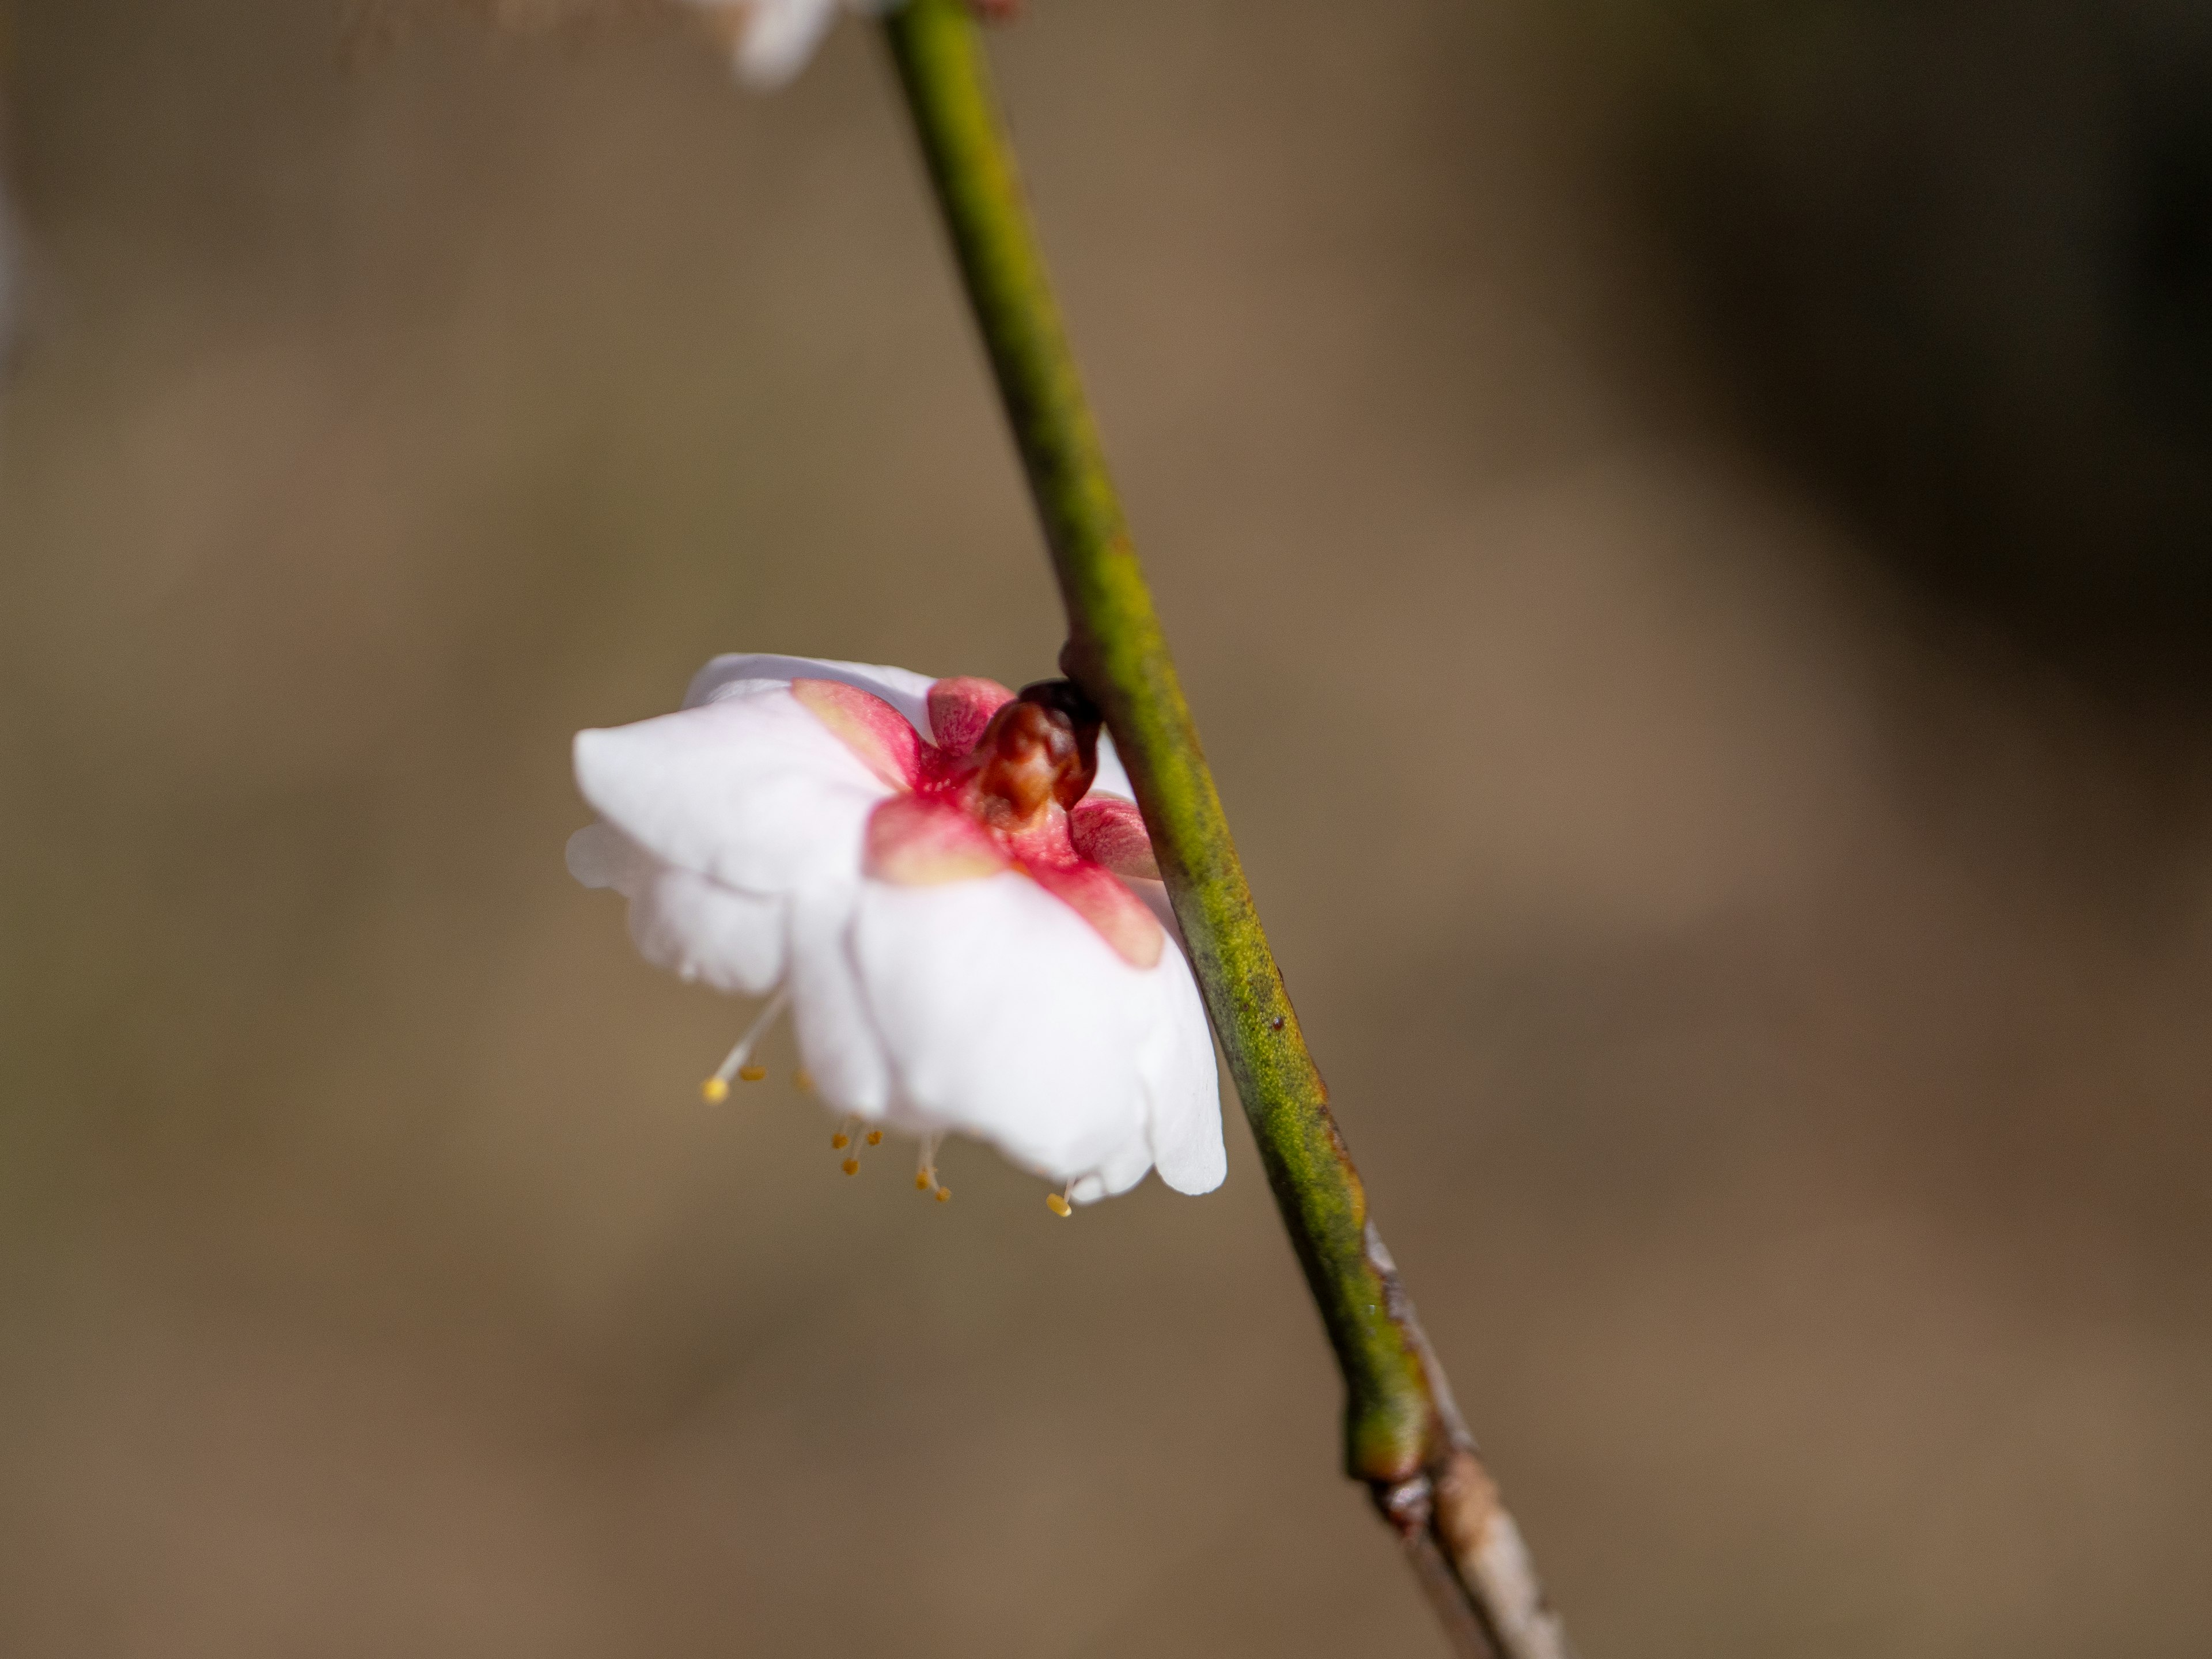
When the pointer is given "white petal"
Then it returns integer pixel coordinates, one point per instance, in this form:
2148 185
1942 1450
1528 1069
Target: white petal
689 923
752 790
836 1035
1113 778
1183 1087
701 930
1005 1015
1119 1174
904 690
771 40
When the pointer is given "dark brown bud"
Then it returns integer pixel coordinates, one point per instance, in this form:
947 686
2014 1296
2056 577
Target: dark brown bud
1033 751
1066 701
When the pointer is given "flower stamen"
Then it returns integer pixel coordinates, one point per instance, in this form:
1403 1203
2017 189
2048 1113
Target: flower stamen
849 1135
1058 1204
925 1175
716 1088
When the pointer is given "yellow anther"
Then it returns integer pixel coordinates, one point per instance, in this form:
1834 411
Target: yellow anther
1058 1206
716 1088
852 1166
925 1175
875 1137
839 1141
805 1080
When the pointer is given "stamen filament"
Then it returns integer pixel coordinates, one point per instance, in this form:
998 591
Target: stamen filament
924 1176
716 1088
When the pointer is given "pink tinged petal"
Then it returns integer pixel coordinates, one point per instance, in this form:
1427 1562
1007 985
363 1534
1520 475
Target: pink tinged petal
904 690
1183 1086
1111 832
1004 1016
837 1035
875 731
752 790
913 842
1153 896
1118 914
960 708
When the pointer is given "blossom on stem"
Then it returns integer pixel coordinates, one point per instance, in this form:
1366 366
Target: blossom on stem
771 40
954 888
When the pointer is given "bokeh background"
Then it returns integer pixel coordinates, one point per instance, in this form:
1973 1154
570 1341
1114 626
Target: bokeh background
1684 522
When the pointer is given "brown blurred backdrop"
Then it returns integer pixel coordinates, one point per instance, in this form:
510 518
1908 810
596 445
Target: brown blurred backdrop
1684 525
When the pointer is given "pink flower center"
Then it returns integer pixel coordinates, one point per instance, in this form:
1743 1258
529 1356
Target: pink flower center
1004 788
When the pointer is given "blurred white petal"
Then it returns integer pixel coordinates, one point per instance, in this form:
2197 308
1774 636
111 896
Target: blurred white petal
771 41
600 855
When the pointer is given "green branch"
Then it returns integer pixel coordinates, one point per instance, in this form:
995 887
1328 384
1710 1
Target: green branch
1402 1438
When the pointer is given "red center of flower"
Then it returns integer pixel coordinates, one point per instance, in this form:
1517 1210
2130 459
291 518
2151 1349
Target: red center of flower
1002 789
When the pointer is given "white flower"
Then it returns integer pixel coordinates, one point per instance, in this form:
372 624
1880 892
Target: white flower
969 935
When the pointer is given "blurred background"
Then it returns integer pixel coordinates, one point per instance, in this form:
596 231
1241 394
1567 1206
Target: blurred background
1684 522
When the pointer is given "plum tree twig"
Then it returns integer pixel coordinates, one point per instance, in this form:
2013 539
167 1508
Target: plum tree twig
1404 1437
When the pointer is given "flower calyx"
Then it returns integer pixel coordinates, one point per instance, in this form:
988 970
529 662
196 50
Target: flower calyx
1006 786
1039 751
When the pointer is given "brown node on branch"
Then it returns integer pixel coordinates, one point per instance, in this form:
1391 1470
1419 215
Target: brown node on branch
1466 1504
